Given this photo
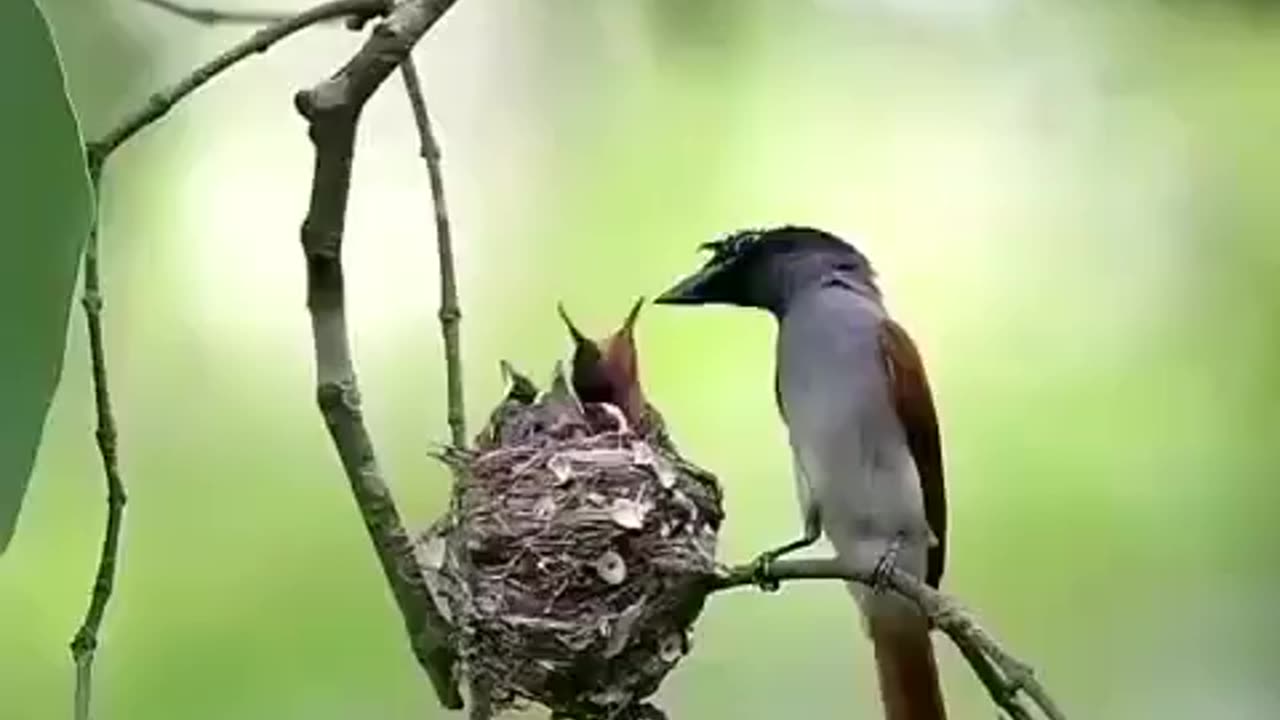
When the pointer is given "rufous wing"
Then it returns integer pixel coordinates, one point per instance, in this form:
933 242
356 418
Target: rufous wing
909 389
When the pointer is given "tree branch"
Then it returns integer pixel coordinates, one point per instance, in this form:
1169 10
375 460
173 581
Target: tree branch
332 109
85 642
450 311
161 102
214 16
1002 674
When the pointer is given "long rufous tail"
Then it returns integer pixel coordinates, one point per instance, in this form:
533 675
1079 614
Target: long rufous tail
909 685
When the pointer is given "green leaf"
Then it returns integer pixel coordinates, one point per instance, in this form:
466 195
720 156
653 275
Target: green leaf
46 207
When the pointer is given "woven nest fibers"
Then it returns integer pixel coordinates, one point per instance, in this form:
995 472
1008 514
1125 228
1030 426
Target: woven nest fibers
573 561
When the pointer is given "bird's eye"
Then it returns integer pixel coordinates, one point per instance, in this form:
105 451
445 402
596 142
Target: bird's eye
846 266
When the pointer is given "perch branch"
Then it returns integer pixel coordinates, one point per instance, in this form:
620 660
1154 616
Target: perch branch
85 642
450 311
161 102
332 109
1004 676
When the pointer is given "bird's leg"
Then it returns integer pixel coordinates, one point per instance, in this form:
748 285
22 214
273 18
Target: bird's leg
762 565
886 564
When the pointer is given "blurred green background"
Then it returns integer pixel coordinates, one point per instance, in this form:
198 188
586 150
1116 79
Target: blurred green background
1072 207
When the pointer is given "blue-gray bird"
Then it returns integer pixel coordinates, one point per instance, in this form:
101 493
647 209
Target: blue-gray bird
863 430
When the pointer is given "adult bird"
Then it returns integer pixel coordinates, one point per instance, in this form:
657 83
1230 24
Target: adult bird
863 430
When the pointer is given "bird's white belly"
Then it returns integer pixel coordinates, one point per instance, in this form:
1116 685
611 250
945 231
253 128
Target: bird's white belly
853 461
855 472
866 490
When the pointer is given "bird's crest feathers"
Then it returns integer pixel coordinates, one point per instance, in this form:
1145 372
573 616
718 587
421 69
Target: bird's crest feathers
732 244
783 238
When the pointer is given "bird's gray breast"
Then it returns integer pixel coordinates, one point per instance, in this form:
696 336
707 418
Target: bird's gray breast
848 442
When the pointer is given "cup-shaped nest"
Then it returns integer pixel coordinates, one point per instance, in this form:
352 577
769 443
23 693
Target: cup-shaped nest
574 558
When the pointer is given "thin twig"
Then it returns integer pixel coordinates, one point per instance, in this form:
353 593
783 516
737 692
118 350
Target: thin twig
332 109
85 642
214 16
450 311
944 613
161 102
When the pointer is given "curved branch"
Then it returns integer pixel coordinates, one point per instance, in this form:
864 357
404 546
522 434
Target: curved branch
332 109
1003 675
450 313
214 16
161 102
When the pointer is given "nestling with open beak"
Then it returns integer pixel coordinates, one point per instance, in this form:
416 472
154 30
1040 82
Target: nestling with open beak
519 395
863 430
608 371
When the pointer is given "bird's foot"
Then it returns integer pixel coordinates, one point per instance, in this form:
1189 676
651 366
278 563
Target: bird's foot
762 572
886 565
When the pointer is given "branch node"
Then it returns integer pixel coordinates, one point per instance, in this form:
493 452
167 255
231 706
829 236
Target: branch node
326 103
82 644
95 156
92 302
117 498
338 394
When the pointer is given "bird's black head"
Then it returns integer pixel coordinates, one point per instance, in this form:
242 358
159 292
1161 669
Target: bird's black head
766 268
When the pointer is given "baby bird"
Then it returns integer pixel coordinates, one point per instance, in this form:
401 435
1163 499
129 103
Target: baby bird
608 371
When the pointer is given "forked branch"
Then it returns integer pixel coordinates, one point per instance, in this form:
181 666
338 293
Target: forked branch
332 109
262 40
